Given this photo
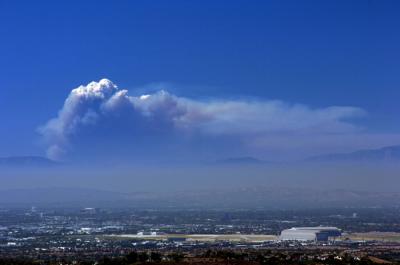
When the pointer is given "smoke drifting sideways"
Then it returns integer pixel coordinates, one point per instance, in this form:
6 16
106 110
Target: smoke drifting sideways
101 122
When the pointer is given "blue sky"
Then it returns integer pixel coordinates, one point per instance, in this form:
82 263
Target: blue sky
316 53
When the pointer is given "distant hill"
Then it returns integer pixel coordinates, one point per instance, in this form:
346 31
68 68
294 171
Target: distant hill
240 161
388 153
26 162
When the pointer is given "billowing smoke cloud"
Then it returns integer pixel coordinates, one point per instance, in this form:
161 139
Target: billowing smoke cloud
162 114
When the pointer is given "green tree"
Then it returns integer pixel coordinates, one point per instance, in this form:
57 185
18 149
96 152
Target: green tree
155 257
132 257
143 257
176 257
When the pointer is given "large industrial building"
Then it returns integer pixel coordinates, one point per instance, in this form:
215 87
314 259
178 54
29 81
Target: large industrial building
318 233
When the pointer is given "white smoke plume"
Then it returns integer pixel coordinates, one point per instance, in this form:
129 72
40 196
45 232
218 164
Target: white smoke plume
87 106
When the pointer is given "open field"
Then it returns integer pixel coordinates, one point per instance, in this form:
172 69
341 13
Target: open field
374 236
200 237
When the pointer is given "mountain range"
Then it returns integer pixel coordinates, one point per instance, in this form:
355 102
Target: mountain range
243 160
384 154
26 161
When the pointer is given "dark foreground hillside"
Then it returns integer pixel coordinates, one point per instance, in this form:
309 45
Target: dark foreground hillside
317 257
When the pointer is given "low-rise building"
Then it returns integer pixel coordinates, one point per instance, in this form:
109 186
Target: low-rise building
318 233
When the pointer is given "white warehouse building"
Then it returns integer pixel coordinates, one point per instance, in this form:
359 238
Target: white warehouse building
318 233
